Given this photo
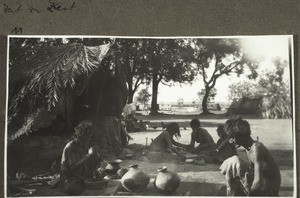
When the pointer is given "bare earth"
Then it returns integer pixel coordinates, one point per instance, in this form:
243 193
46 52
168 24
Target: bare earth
204 179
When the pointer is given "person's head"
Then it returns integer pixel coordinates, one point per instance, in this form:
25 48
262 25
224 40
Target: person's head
221 131
83 132
238 131
173 129
195 123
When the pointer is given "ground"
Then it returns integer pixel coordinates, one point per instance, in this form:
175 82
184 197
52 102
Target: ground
203 179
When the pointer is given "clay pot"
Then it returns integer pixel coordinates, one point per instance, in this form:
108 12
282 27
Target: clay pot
135 180
166 182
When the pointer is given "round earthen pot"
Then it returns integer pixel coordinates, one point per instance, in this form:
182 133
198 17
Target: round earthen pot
135 180
166 182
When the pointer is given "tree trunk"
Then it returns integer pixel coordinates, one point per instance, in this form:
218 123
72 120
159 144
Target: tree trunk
205 100
130 94
154 106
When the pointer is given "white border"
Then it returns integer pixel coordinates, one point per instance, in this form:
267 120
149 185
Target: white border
290 37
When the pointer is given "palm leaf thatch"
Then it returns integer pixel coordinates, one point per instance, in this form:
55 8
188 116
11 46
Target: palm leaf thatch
44 77
276 107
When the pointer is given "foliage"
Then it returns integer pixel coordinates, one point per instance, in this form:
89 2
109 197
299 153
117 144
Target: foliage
273 91
134 58
46 73
143 97
277 91
242 89
218 57
212 94
169 61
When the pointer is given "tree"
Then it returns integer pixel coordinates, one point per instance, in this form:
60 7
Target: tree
211 96
242 89
277 92
218 57
143 97
169 60
180 102
270 88
134 58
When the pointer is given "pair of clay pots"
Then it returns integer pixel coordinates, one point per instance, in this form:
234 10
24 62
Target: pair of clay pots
135 180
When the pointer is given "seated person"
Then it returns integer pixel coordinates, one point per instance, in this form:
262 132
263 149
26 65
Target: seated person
201 136
77 158
163 142
224 148
262 177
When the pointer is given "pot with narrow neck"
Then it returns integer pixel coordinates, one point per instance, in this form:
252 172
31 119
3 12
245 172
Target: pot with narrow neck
135 180
166 182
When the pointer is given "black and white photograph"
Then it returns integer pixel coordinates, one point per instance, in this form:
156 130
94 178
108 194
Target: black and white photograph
150 116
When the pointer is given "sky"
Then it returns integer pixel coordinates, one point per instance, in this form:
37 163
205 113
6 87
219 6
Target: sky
264 48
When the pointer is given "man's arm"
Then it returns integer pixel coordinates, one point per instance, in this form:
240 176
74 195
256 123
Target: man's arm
171 148
258 182
179 144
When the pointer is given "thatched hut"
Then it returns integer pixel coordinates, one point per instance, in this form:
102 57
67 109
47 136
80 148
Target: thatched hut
52 89
262 107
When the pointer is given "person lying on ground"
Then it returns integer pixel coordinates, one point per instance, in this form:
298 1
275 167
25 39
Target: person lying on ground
223 148
78 159
199 135
262 178
163 142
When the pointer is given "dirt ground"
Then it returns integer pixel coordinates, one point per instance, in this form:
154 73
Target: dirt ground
275 134
202 179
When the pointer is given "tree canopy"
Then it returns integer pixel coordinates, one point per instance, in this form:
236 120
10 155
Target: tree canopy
218 57
271 88
170 60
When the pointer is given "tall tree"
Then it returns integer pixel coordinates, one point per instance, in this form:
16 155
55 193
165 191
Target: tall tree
218 57
169 60
134 59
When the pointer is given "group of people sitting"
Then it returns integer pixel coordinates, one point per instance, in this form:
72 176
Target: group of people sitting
260 178
206 148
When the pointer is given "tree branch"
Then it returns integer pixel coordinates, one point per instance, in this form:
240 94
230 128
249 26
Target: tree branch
228 69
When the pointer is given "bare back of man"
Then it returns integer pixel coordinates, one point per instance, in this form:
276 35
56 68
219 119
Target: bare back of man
266 172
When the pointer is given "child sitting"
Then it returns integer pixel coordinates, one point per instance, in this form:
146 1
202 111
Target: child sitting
224 148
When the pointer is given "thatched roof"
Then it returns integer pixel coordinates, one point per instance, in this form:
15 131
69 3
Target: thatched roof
39 82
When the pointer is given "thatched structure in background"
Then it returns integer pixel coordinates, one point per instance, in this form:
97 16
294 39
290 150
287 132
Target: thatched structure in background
53 88
261 107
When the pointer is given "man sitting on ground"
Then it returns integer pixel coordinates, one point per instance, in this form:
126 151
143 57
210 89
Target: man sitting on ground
263 177
78 159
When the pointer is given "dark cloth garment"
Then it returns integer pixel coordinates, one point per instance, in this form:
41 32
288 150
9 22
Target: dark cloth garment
162 143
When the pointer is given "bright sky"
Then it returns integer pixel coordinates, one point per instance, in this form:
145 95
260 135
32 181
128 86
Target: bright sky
259 47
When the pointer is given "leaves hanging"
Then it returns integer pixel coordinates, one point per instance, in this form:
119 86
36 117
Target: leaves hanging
45 72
